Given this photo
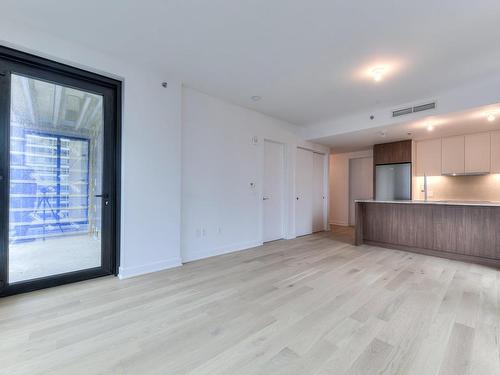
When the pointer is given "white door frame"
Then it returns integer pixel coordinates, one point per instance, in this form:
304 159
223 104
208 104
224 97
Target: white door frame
284 208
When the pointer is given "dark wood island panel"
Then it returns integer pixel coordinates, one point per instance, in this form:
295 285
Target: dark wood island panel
461 232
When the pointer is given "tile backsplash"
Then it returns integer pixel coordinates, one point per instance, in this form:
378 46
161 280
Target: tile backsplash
481 188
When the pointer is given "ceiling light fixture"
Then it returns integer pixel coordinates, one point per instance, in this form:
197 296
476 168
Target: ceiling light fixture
430 127
256 98
490 117
377 73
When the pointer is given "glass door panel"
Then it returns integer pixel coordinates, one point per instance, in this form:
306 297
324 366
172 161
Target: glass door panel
56 167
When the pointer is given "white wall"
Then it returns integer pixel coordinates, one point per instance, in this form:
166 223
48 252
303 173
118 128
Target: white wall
218 160
339 185
360 183
150 217
220 211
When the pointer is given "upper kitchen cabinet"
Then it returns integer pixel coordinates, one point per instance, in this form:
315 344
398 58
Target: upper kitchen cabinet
477 153
469 154
391 153
428 157
495 152
453 155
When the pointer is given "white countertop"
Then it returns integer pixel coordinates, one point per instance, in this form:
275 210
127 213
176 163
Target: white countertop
448 203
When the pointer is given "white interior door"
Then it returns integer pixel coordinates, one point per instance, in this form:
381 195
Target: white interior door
304 192
360 183
318 193
273 191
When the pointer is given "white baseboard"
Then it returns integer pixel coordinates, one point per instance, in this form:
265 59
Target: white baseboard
220 250
126 272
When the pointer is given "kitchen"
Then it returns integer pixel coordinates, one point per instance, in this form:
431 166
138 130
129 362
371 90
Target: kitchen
435 193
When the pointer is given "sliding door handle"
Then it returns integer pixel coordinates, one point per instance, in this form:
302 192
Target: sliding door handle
105 197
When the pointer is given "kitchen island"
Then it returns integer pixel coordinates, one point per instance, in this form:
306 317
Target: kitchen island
460 230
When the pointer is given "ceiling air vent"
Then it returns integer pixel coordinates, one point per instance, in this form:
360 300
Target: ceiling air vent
401 112
424 107
417 108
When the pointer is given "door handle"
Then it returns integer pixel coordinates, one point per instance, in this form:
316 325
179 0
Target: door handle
265 198
103 196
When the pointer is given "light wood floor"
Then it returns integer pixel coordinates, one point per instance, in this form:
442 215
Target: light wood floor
313 305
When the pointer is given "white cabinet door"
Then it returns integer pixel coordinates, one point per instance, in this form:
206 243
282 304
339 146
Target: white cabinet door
318 198
453 155
477 153
273 191
495 152
429 157
303 192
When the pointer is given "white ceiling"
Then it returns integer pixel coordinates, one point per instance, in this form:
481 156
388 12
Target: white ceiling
303 57
465 122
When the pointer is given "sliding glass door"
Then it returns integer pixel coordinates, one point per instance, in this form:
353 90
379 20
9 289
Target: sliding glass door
59 167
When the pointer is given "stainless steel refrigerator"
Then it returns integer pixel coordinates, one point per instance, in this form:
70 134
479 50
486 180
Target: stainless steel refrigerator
393 182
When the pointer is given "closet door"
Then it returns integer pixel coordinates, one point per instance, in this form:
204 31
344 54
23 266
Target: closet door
318 194
304 174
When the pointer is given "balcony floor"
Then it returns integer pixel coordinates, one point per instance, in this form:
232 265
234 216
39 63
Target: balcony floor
53 256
